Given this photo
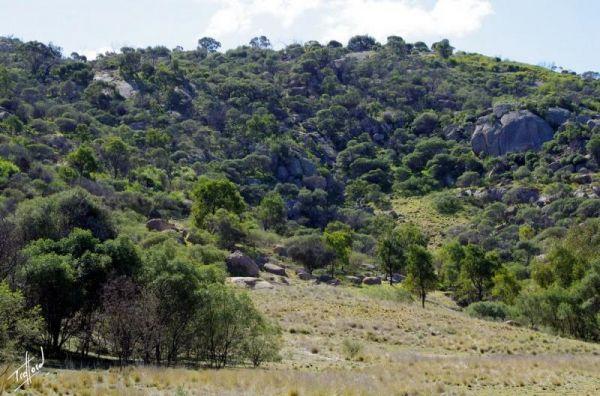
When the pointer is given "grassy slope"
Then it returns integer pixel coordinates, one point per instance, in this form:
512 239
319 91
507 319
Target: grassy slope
420 211
404 349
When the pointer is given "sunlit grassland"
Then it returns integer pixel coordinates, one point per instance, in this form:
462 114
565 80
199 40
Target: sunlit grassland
402 349
421 212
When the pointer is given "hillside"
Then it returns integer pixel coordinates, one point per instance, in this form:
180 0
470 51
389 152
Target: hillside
248 207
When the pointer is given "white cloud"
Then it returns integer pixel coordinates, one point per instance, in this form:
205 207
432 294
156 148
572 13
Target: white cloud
91 54
242 15
235 21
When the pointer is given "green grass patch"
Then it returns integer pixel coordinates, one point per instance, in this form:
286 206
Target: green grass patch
386 292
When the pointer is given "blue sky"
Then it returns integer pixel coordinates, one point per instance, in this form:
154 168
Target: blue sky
532 31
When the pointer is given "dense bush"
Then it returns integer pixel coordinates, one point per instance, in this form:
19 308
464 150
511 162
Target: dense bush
447 203
489 310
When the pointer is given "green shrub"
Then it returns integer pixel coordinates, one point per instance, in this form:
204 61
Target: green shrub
7 169
447 203
352 348
489 310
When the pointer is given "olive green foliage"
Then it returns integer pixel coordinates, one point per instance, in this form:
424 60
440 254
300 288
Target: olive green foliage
231 329
338 236
56 216
447 203
212 194
272 212
394 245
20 326
310 251
477 270
489 310
116 152
83 160
227 228
421 277
443 48
7 169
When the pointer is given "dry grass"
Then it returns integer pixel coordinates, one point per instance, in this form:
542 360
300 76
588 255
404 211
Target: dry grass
401 349
493 375
420 211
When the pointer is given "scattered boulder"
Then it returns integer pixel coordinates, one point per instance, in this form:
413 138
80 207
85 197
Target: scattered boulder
512 323
304 274
274 269
246 281
554 166
586 191
58 141
123 87
520 195
369 267
511 211
457 132
501 109
238 264
334 282
354 279
582 119
593 123
280 250
250 282
515 131
160 225
556 116
397 278
372 280
490 194
4 114
582 179
544 200
325 278
262 284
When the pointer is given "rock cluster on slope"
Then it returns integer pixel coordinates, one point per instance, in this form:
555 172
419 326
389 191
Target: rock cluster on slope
513 131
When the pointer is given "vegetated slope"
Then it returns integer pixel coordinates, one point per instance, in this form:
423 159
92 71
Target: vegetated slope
343 341
422 211
138 176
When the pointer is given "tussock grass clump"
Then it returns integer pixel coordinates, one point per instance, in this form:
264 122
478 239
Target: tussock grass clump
352 348
387 292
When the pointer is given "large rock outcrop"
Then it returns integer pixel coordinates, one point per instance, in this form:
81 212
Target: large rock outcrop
556 116
240 265
515 131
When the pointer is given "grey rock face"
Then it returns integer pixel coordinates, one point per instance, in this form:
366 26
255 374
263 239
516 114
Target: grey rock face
304 275
502 109
595 123
123 87
250 282
238 264
516 131
519 195
159 225
324 278
274 269
556 116
280 250
372 280
354 279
